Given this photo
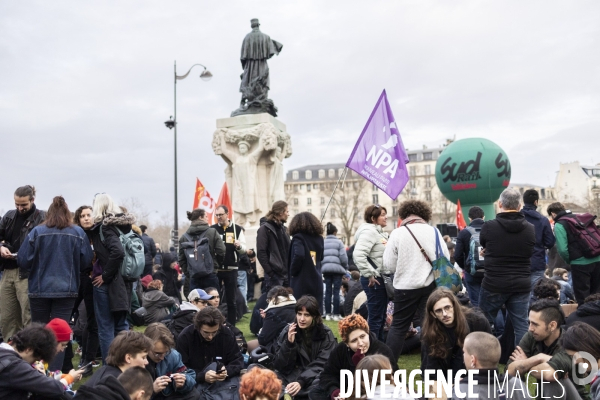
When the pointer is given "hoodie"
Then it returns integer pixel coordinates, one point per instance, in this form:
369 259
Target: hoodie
587 312
508 241
544 238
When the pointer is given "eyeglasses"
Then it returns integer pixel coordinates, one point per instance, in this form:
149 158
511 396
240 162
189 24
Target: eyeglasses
441 311
98 194
161 355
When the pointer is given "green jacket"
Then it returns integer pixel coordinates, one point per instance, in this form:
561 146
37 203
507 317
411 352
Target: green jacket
562 245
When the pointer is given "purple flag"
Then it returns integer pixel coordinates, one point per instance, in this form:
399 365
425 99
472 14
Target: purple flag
379 155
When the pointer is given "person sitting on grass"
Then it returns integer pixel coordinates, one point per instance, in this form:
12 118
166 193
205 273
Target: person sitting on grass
18 379
358 342
184 317
260 384
135 384
210 349
128 349
166 367
303 348
157 304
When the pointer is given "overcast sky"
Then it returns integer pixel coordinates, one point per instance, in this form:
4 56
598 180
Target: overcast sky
86 86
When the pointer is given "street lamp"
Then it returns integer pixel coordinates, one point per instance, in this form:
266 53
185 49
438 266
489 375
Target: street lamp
172 123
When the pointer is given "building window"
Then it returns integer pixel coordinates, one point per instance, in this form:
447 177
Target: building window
308 174
308 201
332 173
412 171
340 172
428 170
428 182
308 187
322 201
375 199
322 212
295 175
428 156
332 213
375 188
394 210
321 173
296 212
428 196
295 201
413 157
315 186
413 184
355 185
301 187
322 185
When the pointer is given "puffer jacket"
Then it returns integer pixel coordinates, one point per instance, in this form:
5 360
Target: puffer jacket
157 304
335 259
370 241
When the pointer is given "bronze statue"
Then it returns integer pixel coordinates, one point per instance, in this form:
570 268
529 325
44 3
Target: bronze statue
257 48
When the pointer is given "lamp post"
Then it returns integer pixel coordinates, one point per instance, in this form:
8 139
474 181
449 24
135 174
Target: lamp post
172 123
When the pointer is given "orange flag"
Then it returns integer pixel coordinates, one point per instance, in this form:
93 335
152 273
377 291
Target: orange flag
225 199
460 219
203 199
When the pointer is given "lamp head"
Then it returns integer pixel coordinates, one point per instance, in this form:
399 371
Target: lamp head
206 75
170 123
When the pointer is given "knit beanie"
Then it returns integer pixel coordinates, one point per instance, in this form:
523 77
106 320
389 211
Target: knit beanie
61 329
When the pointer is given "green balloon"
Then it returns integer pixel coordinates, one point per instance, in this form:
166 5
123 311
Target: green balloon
474 171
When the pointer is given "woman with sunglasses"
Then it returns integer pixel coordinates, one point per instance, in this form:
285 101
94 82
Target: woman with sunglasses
370 241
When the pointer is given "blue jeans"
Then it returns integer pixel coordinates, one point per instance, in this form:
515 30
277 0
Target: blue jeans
376 304
473 286
332 282
109 323
242 283
517 305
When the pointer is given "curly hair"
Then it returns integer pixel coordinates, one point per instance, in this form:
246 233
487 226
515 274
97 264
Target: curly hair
415 207
155 284
351 323
260 383
78 213
307 223
434 334
546 288
373 212
37 338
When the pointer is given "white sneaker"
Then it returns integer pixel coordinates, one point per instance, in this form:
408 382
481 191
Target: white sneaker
328 317
337 317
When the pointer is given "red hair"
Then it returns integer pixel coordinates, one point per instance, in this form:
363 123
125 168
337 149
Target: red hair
352 323
260 382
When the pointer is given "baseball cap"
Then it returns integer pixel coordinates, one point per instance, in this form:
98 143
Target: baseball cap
198 294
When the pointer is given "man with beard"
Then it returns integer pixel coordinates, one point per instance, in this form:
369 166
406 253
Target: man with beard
273 246
14 228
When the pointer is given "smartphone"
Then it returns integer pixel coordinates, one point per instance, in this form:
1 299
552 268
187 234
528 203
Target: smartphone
14 255
86 365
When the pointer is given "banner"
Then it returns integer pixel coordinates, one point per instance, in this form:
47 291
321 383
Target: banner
460 218
379 155
203 199
225 199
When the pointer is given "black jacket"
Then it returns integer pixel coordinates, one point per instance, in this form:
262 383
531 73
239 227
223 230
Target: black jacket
306 255
275 320
341 358
231 254
18 379
197 353
109 388
181 320
149 249
272 248
103 372
463 241
588 313
544 237
354 291
7 223
293 361
110 254
508 241
169 277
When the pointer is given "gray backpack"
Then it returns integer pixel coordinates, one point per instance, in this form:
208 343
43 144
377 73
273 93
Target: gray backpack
197 254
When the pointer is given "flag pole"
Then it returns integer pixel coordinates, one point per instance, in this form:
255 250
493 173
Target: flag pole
232 212
343 175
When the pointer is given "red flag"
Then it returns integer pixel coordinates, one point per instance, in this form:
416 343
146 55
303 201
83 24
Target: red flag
225 199
460 219
203 199
399 223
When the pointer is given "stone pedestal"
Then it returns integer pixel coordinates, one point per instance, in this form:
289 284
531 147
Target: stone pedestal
253 147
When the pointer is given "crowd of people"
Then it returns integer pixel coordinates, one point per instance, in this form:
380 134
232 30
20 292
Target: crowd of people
94 274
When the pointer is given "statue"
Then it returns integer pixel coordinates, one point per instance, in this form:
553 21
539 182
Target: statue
257 48
277 191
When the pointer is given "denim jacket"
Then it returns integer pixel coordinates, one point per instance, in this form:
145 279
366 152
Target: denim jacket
172 364
54 259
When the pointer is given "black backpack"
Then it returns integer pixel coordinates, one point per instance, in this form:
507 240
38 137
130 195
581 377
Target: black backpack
197 254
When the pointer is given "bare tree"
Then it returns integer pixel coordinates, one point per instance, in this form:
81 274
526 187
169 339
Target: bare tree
443 210
136 207
593 204
348 203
